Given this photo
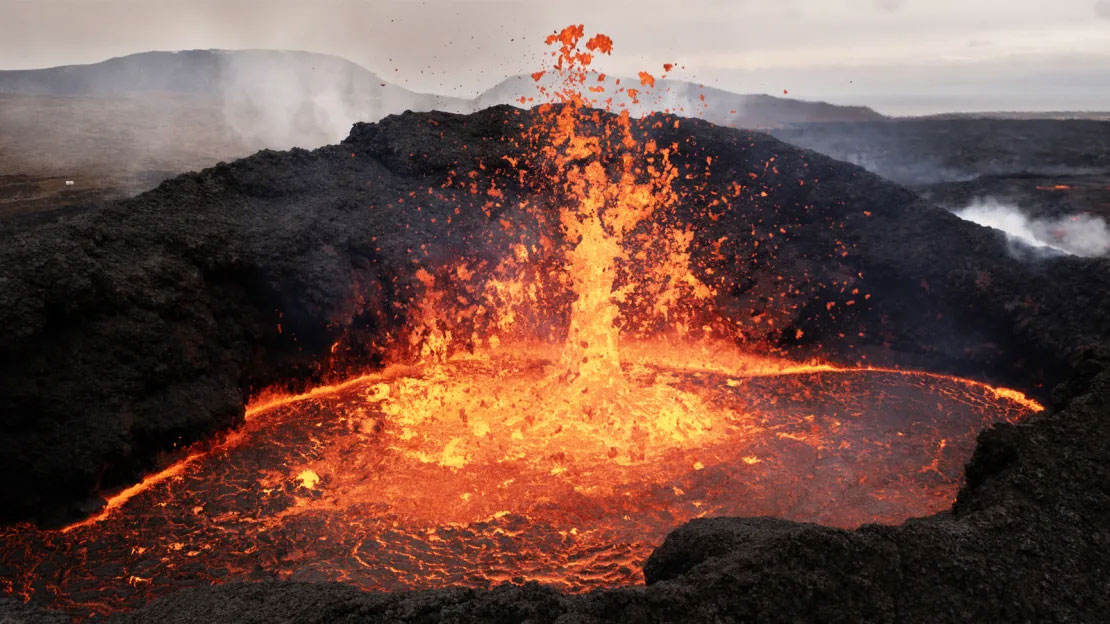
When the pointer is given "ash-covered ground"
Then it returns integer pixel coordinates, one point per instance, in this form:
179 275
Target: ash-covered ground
137 326
1045 181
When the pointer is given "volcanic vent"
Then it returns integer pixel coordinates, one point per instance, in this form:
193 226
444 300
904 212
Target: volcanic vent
591 329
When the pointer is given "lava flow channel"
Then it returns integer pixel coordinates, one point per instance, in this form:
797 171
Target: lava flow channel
419 478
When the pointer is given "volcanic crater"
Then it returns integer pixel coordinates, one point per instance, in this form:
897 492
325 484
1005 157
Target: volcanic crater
511 352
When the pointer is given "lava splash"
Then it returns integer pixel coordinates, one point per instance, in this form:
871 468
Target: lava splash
549 417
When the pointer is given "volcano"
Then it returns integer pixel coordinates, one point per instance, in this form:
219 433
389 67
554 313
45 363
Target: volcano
509 353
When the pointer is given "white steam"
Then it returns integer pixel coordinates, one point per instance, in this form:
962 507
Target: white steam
1078 235
280 100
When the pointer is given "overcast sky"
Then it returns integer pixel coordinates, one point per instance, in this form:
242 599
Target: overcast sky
899 56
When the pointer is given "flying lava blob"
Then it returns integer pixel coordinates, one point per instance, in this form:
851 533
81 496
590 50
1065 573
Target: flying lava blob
551 417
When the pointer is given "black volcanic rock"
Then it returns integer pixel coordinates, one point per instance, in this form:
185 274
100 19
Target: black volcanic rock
1026 541
144 324
134 328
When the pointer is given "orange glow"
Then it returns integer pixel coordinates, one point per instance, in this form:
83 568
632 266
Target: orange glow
468 471
551 416
117 501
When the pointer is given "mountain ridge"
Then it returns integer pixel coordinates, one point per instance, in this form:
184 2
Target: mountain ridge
214 71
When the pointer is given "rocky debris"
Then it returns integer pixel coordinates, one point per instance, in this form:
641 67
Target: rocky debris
14 611
1026 541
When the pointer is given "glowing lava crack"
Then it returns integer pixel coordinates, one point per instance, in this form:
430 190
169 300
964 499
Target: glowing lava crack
459 474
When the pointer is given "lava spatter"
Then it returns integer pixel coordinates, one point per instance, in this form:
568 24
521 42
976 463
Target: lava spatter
549 417
419 477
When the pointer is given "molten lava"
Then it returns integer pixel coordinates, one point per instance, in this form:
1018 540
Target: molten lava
469 472
552 417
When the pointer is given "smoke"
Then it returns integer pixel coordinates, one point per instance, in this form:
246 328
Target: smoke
129 122
282 102
295 99
1078 235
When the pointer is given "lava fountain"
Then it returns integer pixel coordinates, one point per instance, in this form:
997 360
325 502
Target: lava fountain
550 417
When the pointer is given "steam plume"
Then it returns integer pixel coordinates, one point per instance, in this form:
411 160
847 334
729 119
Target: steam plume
1079 234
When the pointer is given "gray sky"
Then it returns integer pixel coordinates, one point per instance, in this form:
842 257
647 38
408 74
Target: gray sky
899 56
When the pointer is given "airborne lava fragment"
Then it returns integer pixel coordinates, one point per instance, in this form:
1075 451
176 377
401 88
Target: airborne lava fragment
550 417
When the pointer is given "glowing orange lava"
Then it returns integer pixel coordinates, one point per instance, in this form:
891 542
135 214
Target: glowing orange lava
452 473
503 444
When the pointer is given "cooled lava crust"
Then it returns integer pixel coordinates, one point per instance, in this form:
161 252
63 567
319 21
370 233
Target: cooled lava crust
138 327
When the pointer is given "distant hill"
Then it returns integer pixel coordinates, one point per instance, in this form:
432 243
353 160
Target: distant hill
1022 115
689 99
120 126
285 98
269 98
918 152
